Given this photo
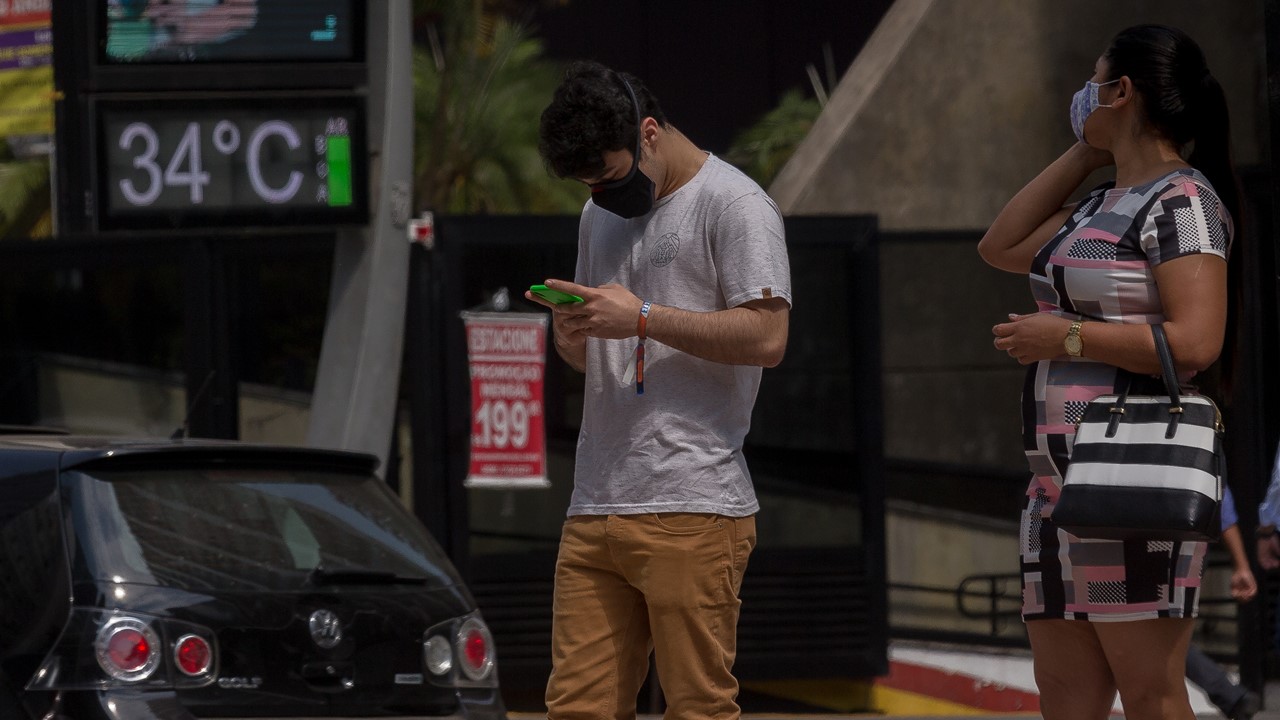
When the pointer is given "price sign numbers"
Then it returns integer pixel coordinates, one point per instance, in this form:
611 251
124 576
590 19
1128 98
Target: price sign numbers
503 424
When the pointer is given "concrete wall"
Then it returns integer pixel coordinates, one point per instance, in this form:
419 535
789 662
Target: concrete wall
89 396
928 549
954 104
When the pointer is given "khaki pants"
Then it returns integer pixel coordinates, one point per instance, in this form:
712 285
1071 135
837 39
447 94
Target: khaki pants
629 583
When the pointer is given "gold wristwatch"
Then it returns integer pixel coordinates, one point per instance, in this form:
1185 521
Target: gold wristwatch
1072 342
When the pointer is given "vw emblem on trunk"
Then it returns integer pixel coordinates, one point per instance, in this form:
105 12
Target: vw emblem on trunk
326 629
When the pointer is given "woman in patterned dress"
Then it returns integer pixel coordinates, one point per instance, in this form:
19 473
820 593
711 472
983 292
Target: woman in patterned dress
1149 247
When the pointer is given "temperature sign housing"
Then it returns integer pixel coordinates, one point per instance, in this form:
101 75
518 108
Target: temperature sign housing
229 160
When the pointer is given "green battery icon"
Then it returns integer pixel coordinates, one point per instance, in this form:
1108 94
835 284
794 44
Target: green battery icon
338 156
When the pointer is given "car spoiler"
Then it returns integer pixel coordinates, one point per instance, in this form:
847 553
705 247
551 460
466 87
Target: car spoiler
229 455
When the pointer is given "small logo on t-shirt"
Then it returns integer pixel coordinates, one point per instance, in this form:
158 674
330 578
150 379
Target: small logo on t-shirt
665 251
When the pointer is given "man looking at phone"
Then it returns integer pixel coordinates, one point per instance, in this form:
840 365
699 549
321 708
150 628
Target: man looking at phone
685 285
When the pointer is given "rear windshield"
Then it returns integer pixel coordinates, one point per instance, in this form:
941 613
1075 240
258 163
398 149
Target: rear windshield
229 529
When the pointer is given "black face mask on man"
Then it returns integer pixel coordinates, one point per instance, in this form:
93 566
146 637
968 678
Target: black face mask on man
631 196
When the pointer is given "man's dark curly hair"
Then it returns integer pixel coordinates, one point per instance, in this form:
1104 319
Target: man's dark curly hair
591 114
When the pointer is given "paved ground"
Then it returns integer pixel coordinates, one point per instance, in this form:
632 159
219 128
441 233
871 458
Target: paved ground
925 680
1265 715
1272 713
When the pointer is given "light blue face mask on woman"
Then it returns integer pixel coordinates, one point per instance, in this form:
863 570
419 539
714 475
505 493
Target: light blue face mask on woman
1083 103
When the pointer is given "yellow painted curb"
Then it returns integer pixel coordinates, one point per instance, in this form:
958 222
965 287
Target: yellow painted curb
901 702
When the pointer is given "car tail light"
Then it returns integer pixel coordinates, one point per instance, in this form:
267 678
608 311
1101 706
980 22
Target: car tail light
438 655
127 649
192 655
459 652
475 649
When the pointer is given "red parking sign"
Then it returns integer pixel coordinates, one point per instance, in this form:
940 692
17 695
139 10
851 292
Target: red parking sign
506 353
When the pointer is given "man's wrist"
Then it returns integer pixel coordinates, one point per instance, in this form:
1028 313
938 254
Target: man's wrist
1266 531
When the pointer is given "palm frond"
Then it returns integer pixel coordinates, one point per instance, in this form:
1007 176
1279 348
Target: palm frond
761 150
476 120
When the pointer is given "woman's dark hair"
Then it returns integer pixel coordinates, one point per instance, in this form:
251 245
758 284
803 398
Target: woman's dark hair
1184 103
590 114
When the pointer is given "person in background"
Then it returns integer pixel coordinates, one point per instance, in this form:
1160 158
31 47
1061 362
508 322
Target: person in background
1235 701
1149 247
1268 540
1268 520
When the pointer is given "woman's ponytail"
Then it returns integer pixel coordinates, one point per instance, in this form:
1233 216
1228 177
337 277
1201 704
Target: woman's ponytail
1211 155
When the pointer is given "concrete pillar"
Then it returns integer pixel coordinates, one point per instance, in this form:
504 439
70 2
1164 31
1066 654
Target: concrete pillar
357 384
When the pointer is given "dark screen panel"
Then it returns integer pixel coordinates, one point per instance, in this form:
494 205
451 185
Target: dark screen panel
162 32
238 159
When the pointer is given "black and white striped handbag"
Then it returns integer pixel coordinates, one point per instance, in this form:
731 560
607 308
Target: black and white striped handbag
1146 467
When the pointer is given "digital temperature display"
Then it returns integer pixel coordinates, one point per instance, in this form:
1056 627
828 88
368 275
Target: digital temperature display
230 161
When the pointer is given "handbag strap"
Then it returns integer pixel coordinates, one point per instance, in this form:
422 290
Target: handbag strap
1171 384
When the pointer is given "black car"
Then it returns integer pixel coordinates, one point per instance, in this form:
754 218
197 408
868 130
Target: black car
174 579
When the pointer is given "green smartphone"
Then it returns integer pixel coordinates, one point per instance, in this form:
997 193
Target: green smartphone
554 296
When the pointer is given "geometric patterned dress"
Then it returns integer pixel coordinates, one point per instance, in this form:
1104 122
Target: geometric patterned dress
1098 268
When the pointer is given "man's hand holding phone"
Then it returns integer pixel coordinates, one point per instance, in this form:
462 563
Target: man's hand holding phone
608 311
570 344
553 296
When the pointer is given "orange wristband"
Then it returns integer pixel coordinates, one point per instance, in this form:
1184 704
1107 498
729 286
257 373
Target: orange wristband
644 319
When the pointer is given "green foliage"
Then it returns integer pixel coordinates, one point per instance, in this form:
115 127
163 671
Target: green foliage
25 198
761 150
480 84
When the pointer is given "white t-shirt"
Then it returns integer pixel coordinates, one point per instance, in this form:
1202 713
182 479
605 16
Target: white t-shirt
713 244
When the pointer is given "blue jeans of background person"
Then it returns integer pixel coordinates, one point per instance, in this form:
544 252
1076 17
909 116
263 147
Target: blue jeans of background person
1210 677
1275 639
